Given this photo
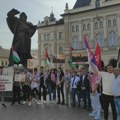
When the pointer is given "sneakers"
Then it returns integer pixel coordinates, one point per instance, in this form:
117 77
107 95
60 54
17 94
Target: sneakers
29 103
93 114
44 101
24 102
97 117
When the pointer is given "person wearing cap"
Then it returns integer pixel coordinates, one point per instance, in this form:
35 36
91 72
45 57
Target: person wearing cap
107 95
116 91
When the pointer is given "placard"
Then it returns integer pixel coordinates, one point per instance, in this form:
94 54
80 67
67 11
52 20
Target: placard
6 83
32 63
19 77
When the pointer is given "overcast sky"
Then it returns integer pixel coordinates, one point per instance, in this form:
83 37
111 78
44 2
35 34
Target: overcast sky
35 9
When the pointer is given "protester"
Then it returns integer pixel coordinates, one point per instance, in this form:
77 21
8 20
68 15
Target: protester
52 86
26 87
42 85
16 90
73 87
85 87
95 101
60 85
67 79
35 86
107 95
116 91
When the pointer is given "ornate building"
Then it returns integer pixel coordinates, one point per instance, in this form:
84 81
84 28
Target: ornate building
4 56
98 19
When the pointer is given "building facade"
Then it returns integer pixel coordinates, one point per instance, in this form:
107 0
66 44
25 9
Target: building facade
99 20
4 56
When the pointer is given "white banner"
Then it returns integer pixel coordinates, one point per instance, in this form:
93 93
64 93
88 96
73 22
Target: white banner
6 83
32 63
20 77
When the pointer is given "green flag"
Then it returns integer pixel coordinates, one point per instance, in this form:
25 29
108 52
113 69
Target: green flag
73 66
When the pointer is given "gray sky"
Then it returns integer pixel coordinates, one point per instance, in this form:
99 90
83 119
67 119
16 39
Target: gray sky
35 9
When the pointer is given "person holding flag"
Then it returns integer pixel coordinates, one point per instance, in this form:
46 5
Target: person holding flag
107 81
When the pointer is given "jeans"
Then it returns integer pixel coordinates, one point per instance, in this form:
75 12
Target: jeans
117 104
74 93
50 91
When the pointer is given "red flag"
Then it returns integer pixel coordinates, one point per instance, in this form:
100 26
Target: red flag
98 55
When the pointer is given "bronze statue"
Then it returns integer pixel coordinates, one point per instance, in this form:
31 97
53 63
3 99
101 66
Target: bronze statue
22 31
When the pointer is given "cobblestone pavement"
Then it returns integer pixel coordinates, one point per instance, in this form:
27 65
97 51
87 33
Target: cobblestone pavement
43 112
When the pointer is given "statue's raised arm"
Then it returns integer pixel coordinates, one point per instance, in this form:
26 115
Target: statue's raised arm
12 20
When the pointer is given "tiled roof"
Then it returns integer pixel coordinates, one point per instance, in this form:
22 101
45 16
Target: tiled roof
81 3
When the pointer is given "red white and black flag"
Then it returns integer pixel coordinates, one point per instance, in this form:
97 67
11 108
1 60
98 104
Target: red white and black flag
47 57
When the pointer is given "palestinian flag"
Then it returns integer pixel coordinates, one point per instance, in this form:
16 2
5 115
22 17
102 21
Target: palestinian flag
15 56
118 59
47 57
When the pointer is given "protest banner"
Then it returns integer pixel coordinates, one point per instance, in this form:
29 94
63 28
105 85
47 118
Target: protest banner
6 83
32 63
19 77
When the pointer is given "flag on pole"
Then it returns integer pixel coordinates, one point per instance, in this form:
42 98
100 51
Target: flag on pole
118 59
15 56
47 57
91 57
98 56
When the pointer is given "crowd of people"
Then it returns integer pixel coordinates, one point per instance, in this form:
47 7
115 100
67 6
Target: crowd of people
93 91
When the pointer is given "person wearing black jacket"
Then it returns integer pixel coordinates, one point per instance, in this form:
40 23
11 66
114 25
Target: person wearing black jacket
85 89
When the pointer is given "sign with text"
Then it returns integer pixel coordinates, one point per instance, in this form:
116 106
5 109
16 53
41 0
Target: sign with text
20 77
32 63
8 71
6 83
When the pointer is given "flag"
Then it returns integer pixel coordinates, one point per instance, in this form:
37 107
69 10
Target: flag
118 59
47 57
91 57
15 56
98 56
71 51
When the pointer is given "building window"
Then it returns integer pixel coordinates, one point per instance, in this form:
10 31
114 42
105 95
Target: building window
84 27
48 36
100 39
112 39
2 63
44 37
73 29
77 28
97 3
109 23
101 24
75 43
60 50
96 25
114 22
60 35
88 26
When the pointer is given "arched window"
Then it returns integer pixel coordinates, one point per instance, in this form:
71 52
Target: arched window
75 43
112 39
73 29
100 39
96 25
84 27
60 50
101 24
88 26
77 28
114 22
109 23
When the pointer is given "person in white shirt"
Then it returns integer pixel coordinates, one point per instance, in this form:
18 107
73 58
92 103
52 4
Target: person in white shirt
107 95
116 91
73 87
